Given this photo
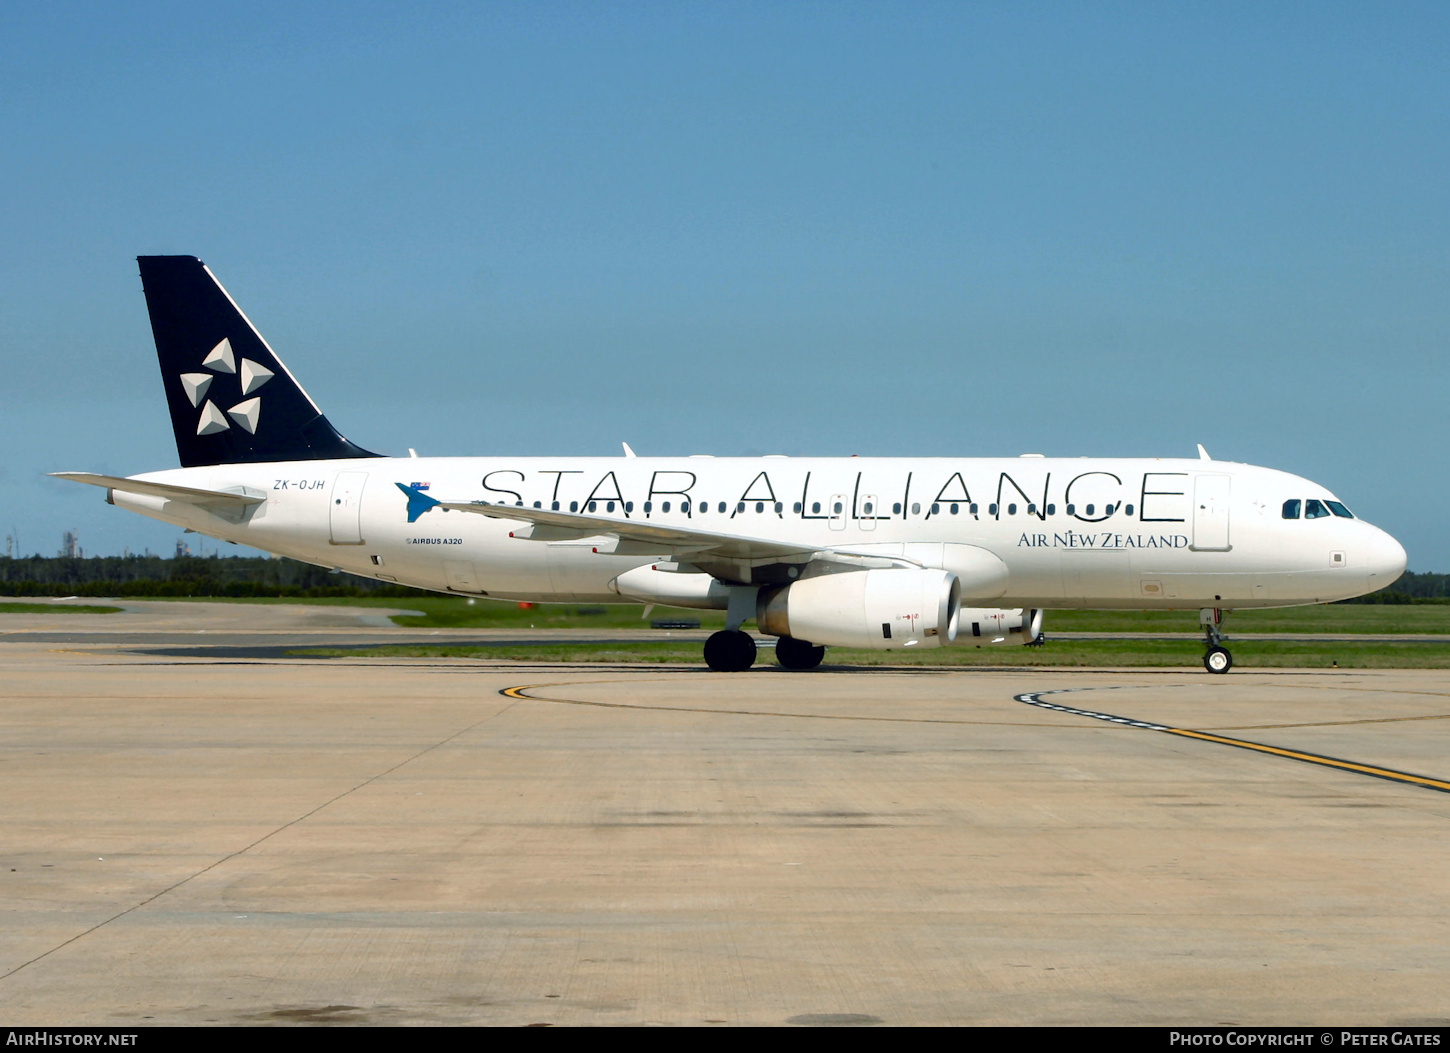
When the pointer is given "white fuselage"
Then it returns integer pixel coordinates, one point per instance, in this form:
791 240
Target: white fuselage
1073 533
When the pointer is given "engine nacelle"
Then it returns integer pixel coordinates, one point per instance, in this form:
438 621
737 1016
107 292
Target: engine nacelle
875 609
663 583
985 626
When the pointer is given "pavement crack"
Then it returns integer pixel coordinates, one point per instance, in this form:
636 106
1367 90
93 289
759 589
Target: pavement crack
247 848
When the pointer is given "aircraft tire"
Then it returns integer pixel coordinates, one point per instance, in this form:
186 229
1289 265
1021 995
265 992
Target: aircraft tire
730 651
1218 660
798 654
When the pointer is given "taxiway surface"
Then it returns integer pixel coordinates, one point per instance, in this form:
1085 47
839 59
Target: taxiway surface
193 839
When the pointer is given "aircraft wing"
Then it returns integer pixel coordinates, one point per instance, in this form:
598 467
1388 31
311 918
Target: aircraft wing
641 537
188 494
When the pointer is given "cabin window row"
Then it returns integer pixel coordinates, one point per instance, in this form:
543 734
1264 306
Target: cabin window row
936 508
1314 508
686 507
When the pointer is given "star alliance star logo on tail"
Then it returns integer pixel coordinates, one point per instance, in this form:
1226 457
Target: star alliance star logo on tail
251 376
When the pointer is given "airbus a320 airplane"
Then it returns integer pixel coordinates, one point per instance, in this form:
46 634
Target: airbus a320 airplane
850 552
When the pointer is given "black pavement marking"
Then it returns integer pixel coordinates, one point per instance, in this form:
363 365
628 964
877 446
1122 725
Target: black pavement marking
1034 698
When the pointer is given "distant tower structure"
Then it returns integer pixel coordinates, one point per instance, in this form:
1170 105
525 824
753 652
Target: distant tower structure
9 546
70 544
182 548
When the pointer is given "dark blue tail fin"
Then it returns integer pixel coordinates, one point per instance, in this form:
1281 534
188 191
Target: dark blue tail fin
232 400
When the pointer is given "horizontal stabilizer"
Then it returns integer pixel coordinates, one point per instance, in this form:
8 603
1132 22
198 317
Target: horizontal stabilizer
188 494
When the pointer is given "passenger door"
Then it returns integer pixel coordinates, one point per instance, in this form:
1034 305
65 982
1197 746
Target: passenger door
345 509
1211 513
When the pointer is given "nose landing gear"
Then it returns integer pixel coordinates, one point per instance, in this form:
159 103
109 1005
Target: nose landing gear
1217 658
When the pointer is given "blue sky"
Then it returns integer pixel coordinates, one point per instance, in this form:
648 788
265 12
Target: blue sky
927 229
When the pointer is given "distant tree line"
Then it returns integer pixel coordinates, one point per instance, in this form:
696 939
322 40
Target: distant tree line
241 576
1411 588
230 576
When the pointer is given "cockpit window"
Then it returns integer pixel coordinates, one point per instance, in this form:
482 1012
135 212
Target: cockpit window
1338 509
1291 508
1314 509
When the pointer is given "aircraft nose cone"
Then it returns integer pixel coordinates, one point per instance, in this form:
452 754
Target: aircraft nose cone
1385 560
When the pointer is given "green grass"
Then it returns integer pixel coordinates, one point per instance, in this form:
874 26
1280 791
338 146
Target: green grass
1109 653
1324 618
450 612
56 608
456 612
1169 653
683 652
446 612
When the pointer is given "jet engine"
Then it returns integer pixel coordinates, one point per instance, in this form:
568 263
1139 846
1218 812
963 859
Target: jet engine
875 609
984 626
665 583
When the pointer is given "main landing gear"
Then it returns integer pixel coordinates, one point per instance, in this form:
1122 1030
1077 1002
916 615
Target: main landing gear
798 654
733 651
1217 658
730 651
